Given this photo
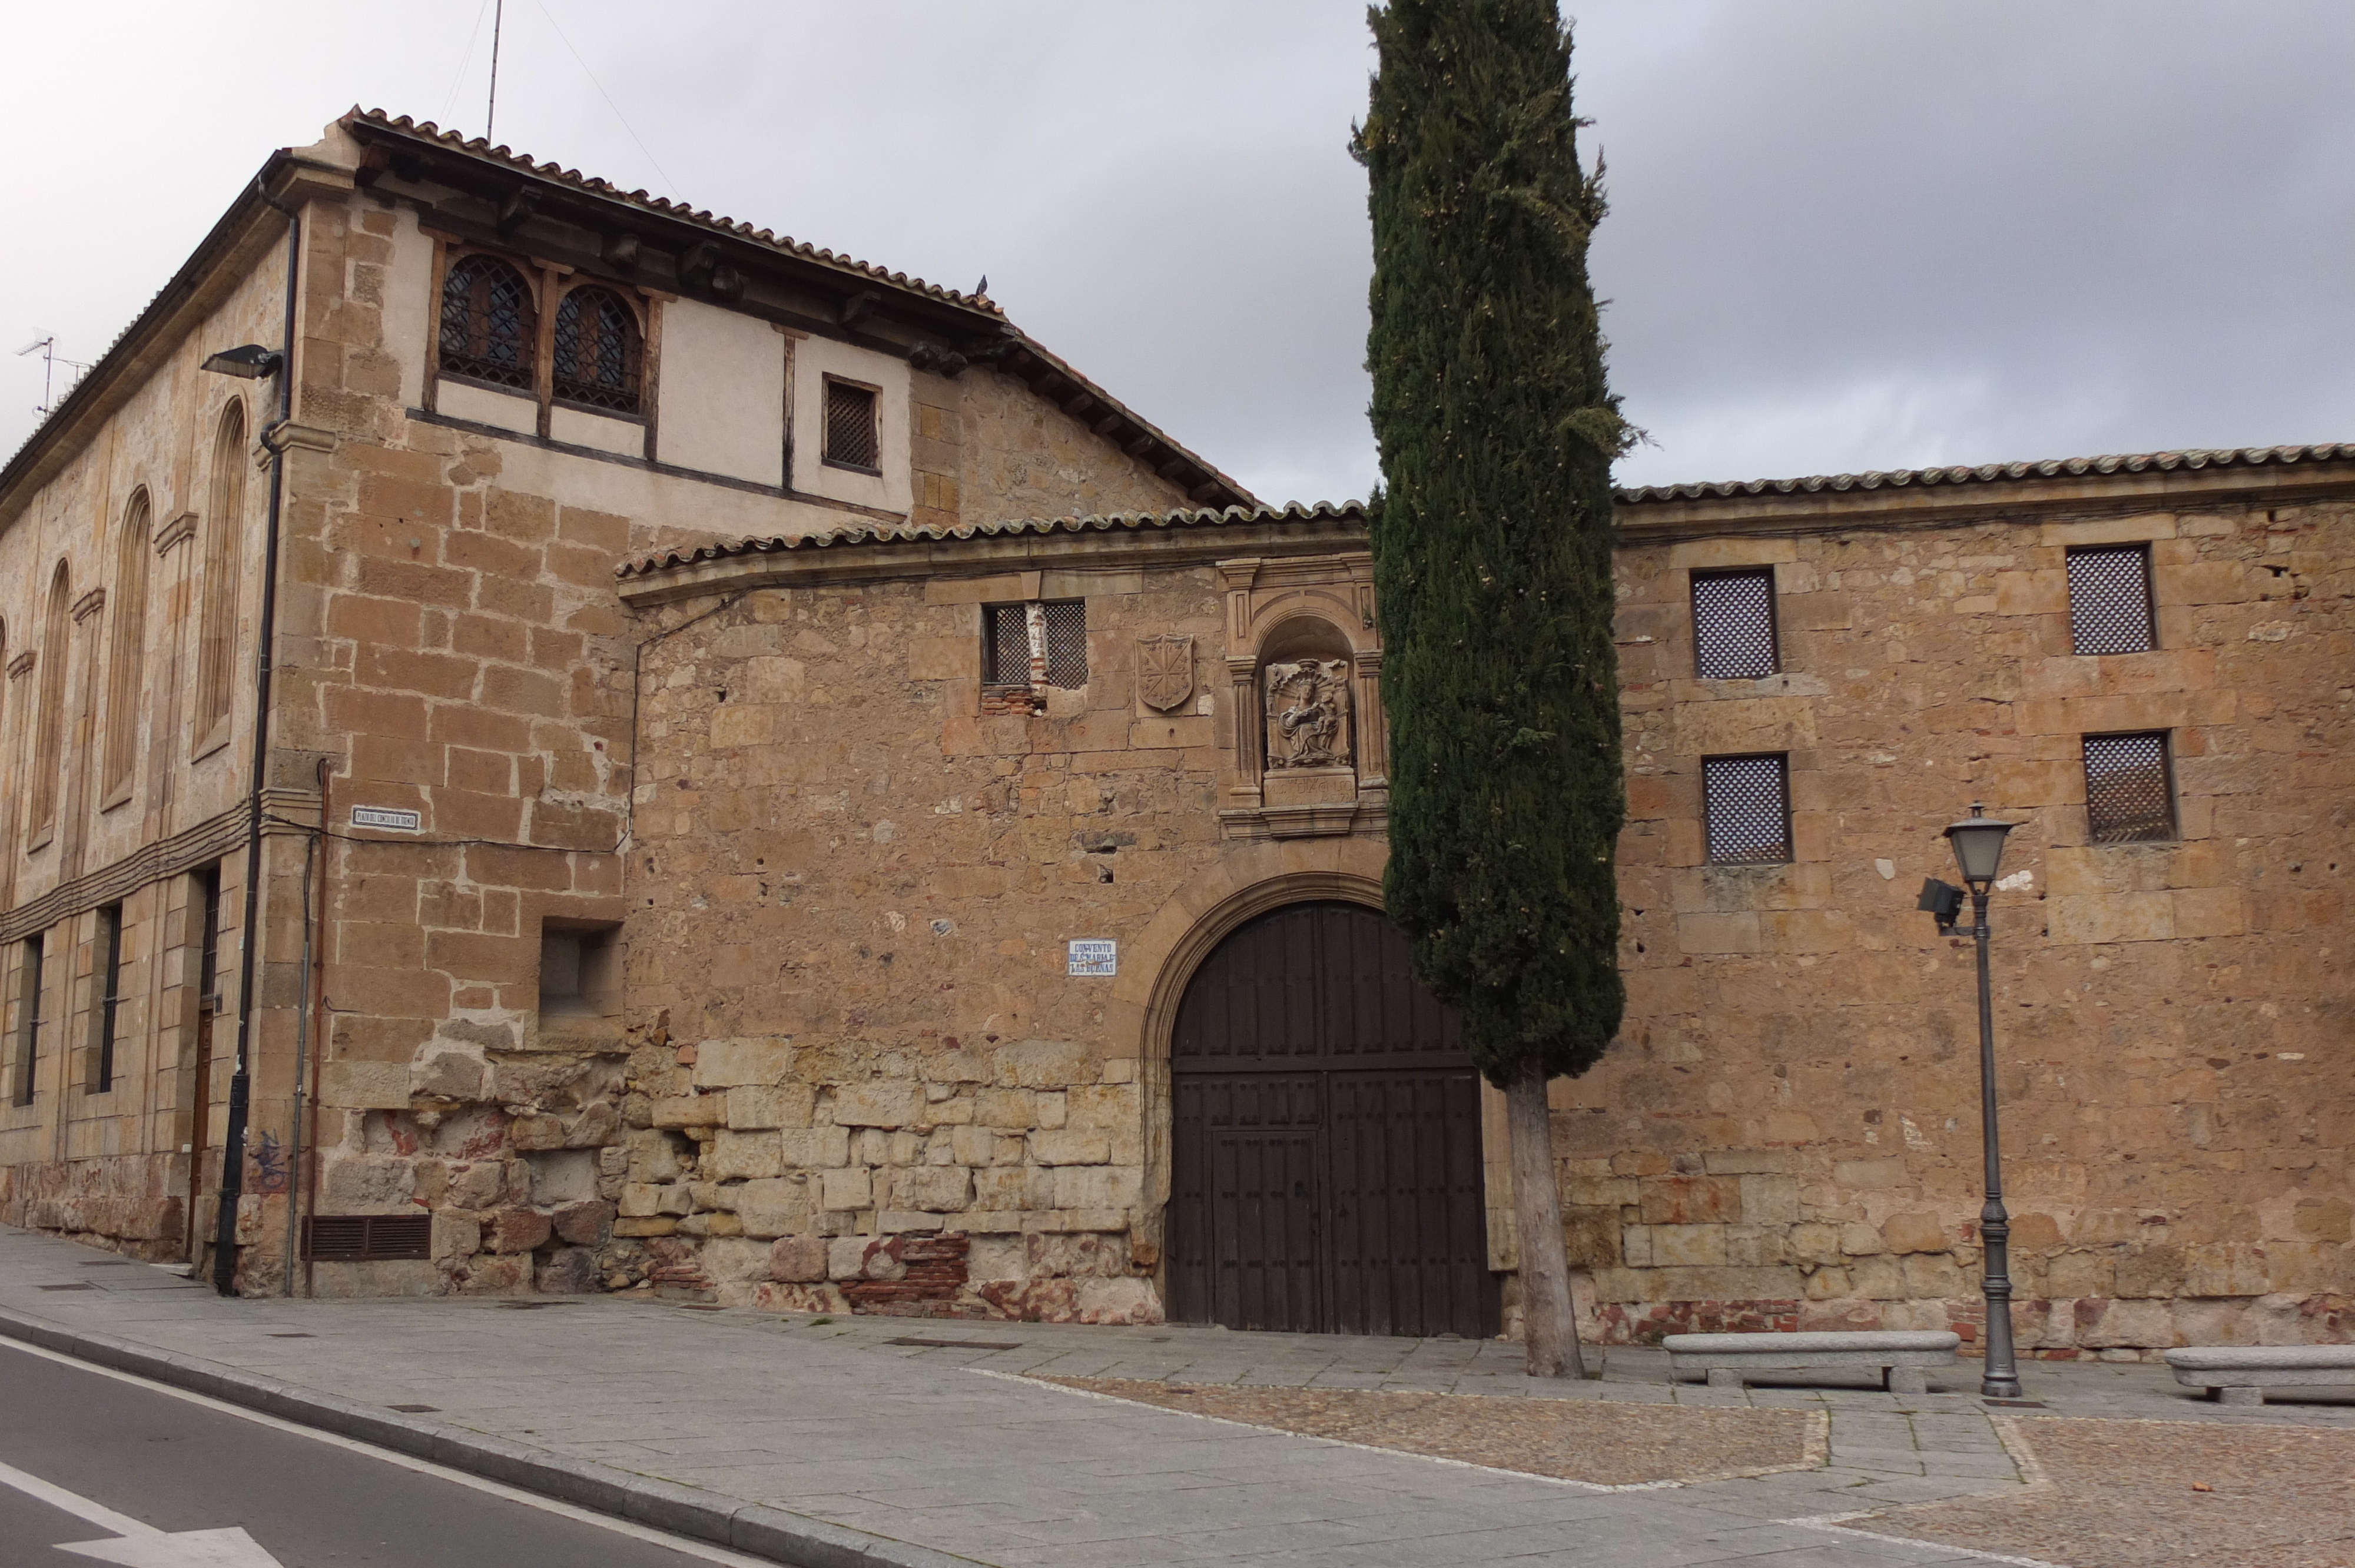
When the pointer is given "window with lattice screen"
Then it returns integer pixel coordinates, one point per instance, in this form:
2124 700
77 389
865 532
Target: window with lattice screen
2109 599
1746 809
851 438
1016 637
1733 624
2129 789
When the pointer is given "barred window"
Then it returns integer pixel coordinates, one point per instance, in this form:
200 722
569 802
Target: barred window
2109 599
1067 643
30 974
489 326
1015 638
851 440
2129 789
1733 624
597 352
109 996
1747 809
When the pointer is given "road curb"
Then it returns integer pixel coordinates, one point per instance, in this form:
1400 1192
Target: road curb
757 1528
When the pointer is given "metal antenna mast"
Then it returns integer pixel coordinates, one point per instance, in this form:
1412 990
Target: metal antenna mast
491 115
46 347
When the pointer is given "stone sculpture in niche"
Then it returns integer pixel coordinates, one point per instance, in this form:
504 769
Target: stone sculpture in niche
1308 713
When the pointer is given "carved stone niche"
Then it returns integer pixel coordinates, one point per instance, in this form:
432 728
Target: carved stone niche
1305 662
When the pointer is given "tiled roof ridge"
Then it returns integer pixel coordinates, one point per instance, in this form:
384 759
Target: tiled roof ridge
2049 468
1106 521
480 147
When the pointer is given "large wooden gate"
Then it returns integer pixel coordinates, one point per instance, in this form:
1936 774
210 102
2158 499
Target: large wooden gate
1326 1172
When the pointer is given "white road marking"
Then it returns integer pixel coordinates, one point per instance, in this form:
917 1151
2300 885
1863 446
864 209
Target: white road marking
606 1521
141 1545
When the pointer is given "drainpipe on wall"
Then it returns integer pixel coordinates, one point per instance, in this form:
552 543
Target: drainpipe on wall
241 1083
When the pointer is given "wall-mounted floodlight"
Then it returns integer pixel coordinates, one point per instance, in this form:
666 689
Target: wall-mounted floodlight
248 362
1943 899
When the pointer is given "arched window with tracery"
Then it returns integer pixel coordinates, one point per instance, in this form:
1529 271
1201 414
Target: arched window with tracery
127 661
217 627
49 720
597 352
489 327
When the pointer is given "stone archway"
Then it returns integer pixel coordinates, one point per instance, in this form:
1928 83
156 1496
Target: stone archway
1325 1157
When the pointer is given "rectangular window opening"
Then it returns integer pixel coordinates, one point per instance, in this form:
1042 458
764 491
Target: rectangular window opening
851 437
2129 789
2109 599
209 906
1733 624
28 1018
1039 644
1747 809
1005 645
1067 643
110 997
579 972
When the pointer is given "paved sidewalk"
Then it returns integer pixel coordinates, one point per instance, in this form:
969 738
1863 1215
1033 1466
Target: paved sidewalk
831 1421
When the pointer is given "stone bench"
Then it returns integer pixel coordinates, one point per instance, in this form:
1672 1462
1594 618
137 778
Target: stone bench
1903 1357
2240 1374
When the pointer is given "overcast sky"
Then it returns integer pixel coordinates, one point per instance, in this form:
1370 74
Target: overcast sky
1845 234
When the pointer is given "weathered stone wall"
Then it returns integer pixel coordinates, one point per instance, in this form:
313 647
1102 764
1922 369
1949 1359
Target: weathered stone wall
1788 1131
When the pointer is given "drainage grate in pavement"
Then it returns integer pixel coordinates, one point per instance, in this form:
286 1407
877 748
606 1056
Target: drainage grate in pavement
294 1336
416 1409
958 1344
534 1306
109 1263
77 1284
2016 1403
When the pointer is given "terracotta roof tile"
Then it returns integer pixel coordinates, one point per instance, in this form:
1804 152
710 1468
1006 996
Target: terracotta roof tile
2053 468
1136 522
480 148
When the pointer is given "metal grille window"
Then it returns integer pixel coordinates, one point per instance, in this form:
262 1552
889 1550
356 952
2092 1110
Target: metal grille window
1018 640
597 353
1005 645
850 437
2129 789
367 1238
1747 809
488 323
29 969
1067 643
110 995
2109 599
1733 624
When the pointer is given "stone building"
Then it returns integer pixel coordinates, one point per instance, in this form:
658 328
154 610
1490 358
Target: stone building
776 788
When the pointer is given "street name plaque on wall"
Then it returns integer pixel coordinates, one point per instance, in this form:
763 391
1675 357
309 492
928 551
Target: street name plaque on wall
386 817
1090 957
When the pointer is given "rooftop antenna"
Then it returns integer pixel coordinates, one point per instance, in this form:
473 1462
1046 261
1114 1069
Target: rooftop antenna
46 347
491 115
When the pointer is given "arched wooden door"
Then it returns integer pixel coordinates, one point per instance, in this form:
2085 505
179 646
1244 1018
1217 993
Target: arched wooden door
1326 1173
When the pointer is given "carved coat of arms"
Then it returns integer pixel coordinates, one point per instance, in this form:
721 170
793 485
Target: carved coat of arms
1165 670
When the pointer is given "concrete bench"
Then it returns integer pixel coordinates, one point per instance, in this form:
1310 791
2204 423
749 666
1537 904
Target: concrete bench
1903 1357
2240 1374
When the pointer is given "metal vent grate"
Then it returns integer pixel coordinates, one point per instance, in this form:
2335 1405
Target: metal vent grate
487 322
1005 645
1067 643
850 437
2129 790
367 1238
1733 624
2109 599
1748 809
597 351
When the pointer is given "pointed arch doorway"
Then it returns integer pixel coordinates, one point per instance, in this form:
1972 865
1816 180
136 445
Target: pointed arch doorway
1325 1155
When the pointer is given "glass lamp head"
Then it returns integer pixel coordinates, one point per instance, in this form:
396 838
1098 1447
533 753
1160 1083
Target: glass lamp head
1979 845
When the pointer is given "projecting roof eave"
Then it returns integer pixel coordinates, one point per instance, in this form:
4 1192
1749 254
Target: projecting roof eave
1928 497
1117 541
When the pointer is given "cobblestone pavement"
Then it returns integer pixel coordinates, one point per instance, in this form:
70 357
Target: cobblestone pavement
880 1424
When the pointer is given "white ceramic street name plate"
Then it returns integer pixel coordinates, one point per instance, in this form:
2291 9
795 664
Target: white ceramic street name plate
1093 957
386 817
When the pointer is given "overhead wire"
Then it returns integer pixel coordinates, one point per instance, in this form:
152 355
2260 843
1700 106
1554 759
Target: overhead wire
449 99
670 184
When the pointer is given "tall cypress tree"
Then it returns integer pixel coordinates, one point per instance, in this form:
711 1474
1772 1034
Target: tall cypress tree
1492 564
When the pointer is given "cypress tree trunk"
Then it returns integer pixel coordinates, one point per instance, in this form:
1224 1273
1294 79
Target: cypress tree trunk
1492 568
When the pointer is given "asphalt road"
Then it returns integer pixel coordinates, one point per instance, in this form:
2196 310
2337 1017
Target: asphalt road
167 1465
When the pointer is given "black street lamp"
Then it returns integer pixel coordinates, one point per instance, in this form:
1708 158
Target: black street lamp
1978 851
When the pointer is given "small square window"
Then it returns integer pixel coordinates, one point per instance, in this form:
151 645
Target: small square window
1005 645
1733 624
2109 599
1012 635
2129 789
1747 809
1067 643
850 437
